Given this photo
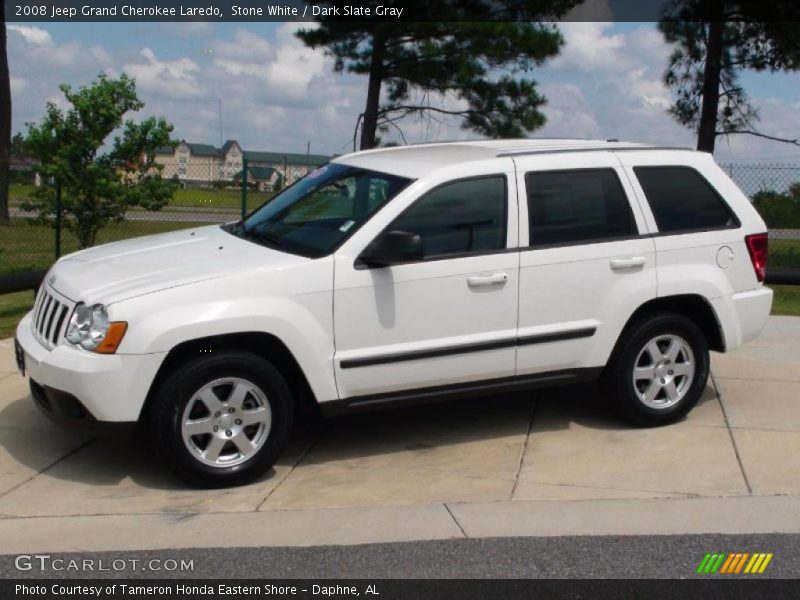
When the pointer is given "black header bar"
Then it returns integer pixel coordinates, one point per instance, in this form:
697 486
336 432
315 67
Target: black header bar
300 10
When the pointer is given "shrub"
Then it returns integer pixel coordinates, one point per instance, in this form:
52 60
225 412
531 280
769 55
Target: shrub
779 210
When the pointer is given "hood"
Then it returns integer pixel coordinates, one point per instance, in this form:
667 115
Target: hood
138 266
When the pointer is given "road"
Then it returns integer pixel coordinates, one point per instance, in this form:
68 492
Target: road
664 556
183 215
221 215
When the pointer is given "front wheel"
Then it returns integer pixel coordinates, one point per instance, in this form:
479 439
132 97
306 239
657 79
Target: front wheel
659 370
222 420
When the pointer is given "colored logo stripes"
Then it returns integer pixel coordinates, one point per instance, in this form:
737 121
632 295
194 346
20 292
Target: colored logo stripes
734 563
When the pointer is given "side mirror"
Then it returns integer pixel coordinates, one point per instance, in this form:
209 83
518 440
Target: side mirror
393 247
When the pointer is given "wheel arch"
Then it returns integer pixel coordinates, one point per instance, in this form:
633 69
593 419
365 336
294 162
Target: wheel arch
262 344
694 307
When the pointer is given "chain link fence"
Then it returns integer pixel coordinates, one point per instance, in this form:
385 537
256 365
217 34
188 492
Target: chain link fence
207 192
203 194
775 192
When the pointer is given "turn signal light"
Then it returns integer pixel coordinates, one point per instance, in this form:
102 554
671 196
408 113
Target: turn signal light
114 335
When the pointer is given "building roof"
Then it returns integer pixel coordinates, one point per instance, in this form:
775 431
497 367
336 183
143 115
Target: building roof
292 159
417 160
227 146
204 149
256 173
256 156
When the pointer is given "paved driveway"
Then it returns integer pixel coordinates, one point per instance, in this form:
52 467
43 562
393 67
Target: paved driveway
554 462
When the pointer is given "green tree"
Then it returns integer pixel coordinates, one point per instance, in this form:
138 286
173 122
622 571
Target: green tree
18 145
97 187
5 120
480 64
714 41
779 210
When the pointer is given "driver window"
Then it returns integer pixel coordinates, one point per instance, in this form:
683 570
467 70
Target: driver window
459 217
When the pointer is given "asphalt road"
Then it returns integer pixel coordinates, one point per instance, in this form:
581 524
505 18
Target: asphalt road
666 556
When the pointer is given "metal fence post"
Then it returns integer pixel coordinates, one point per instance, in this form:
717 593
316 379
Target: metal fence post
244 188
58 220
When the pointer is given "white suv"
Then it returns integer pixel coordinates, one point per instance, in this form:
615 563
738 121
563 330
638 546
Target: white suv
405 275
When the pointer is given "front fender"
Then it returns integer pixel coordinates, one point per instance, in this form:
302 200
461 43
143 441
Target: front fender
302 320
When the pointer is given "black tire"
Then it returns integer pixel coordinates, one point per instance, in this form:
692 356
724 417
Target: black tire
617 382
179 388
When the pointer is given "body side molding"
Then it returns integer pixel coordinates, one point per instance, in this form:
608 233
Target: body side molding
445 393
543 338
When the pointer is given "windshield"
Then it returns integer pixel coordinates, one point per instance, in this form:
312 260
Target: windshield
317 213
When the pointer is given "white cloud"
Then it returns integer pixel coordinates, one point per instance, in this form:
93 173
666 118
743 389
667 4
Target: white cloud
568 111
609 84
277 94
32 35
588 48
294 65
18 85
170 78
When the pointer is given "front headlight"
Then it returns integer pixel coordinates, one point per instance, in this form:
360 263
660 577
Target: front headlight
90 329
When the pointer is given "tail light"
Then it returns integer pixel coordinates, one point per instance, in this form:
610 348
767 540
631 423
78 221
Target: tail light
757 247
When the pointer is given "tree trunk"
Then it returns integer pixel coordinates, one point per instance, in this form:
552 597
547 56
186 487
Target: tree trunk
370 126
707 132
5 121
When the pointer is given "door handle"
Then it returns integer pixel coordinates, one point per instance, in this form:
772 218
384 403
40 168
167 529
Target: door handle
483 280
631 262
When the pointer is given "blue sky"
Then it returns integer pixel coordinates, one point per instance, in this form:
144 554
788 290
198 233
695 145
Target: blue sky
277 95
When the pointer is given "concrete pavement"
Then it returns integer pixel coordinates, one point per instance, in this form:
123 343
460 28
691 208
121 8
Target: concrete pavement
552 463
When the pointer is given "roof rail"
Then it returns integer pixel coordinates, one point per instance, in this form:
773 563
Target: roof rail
594 149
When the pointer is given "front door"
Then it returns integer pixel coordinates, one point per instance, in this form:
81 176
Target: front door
449 318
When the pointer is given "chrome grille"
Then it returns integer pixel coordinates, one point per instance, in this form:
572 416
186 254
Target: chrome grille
50 314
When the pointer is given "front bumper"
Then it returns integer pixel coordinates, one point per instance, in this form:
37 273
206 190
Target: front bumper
109 387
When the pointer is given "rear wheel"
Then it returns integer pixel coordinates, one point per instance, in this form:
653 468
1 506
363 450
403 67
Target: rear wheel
659 369
222 420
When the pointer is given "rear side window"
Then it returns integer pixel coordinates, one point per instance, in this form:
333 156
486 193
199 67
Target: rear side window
565 207
682 200
459 217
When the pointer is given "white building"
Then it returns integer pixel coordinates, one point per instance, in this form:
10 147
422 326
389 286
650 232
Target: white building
204 164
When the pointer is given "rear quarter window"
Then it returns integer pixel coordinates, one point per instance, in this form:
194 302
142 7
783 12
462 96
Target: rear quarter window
682 200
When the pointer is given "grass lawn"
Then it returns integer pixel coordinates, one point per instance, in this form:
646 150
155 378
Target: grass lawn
787 300
784 253
25 247
188 198
214 198
12 308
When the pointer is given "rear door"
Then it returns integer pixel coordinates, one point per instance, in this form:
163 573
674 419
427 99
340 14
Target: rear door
588 263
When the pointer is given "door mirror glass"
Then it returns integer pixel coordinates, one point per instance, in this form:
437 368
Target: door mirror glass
393 247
